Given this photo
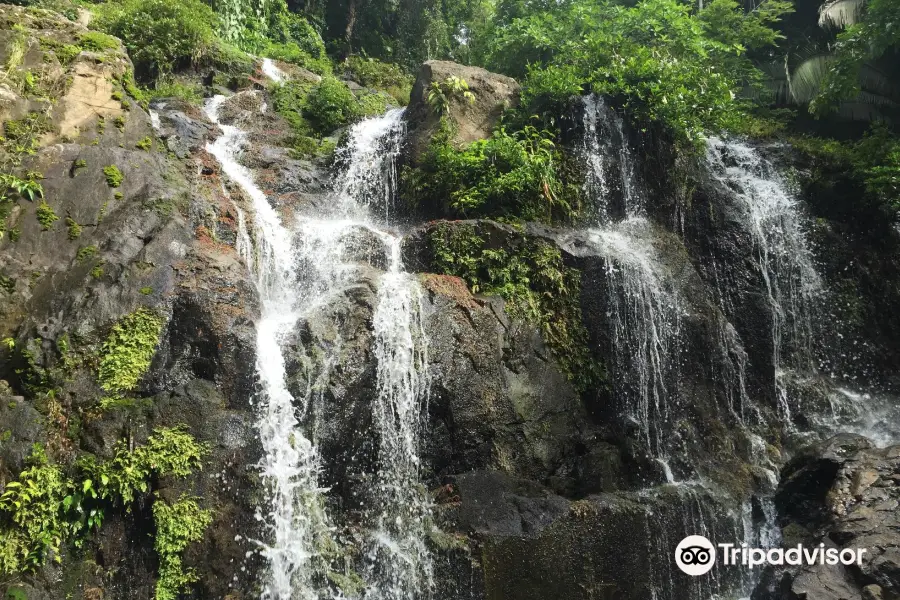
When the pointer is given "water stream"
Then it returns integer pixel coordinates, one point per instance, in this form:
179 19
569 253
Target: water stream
298 270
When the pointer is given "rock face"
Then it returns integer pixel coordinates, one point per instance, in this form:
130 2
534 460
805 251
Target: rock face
130 228
843 493
473 120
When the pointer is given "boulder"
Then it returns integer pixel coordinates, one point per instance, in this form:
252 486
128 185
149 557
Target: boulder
471 120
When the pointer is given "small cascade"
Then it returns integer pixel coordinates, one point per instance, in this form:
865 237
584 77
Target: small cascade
271 70
876 416
643 310
371 184
399 562
294 516
299 271
783 259
644 315
609 161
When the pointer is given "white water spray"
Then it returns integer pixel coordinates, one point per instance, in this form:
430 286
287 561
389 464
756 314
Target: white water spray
782 253
294 515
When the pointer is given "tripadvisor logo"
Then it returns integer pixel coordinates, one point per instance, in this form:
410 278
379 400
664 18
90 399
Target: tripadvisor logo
696 555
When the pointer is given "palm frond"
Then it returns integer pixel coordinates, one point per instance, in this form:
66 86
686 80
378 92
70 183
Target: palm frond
805 81
876 81
838 14
861 111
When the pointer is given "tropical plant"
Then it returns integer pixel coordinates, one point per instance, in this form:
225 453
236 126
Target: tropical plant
440 94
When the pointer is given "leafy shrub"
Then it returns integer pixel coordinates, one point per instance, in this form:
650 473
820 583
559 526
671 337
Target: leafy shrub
177 525
292 53
291 28
330 105
168 87
383 76
46 506
511 175
161 36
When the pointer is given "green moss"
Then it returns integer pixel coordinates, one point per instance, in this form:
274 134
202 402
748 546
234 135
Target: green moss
538 288
74 228
146 290
14 234
177 525
65 53
145 143
127 352
119 122
86 253
7 284
78 165
45 216
98 42
97 271
113 176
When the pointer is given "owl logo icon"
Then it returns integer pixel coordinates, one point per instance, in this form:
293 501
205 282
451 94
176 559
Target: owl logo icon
695 555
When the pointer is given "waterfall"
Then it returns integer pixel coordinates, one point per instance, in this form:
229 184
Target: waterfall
294 517
644 317
398 559
299 270
773 220
644 310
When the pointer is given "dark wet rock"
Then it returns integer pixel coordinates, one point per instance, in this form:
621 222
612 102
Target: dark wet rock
843 493
183 127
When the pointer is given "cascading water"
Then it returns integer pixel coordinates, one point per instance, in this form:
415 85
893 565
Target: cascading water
294 516
298 271
782 255
399 561
644 311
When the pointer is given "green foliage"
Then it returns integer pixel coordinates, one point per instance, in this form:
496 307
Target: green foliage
126 354
45 506
161 36
168 87
658 57
11 189
177 525
440 93
113 176
510 175
45 215
330 105
33 524
98 42
20 139
873 161
538 288
387 77
74 229
864 41
65 53
146 143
